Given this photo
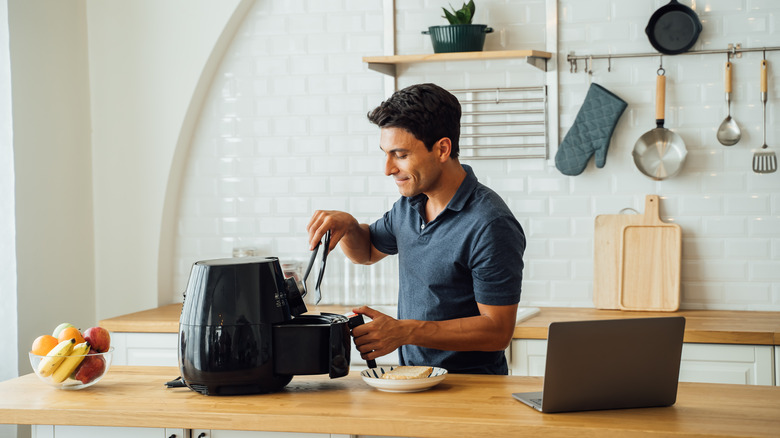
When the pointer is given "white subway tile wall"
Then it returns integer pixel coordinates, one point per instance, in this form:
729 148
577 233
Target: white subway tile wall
283 133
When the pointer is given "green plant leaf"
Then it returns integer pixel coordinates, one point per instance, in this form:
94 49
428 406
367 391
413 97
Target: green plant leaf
464 15
449 16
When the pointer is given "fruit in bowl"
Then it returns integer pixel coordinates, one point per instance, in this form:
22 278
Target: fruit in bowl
72 363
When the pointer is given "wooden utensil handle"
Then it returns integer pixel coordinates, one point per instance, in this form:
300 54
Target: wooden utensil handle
652 209
660 99
728 77
763 76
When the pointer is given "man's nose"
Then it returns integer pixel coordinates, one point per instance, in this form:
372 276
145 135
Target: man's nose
390 168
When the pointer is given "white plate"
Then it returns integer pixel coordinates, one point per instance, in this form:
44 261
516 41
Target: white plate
373 376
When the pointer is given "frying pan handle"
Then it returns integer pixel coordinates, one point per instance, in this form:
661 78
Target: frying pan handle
763 76
660 100
728 78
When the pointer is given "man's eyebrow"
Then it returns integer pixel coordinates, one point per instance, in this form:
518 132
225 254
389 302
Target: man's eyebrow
392 151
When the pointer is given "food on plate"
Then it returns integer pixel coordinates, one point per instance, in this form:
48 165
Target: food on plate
98 338
408 372
90 368
55 357
66 368
43 344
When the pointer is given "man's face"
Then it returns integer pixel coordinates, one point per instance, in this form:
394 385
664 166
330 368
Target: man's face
414 169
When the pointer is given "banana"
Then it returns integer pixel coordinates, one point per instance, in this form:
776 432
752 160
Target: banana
70 363
55 357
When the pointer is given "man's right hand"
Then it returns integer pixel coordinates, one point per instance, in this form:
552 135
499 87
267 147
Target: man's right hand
338 222
344 229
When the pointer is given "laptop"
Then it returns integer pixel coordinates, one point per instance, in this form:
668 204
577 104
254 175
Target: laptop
610 364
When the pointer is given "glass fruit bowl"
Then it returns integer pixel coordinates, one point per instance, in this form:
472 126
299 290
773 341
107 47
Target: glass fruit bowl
77 372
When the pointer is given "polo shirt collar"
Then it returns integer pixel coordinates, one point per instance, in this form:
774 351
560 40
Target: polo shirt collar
461 195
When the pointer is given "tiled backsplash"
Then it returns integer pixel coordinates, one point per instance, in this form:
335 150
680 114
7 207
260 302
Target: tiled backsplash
284 133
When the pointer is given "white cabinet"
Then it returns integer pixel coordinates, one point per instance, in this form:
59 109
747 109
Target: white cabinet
145 349
777 365
527 357
161 349
709 363
202 433
720 363
49 431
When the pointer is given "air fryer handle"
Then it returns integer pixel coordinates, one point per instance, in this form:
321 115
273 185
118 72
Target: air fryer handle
355 321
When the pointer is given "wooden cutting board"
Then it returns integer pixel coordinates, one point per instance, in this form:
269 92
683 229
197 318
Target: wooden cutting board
606 257
650 262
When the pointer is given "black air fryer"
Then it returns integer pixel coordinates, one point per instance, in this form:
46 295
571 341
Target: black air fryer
241 330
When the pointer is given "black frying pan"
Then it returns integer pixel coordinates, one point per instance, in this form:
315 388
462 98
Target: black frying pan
673 28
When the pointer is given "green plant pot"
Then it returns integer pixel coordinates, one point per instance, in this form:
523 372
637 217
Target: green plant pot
458 37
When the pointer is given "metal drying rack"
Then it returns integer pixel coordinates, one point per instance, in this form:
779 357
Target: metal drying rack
503 123
733 51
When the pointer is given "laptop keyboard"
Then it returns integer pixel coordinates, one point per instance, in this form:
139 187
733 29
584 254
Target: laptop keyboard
536 401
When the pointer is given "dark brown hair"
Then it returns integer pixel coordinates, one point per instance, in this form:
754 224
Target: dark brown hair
427 111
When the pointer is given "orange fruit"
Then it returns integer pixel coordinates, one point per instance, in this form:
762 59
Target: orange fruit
70 333
43 344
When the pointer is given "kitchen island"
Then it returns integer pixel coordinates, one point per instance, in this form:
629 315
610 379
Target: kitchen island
461 405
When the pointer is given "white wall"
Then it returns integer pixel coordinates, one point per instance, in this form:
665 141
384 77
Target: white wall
8 318
284 132
51 151
146 61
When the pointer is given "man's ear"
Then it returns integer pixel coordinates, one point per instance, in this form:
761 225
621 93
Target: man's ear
443 147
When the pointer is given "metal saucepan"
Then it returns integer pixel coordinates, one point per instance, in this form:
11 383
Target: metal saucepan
659 153
673 28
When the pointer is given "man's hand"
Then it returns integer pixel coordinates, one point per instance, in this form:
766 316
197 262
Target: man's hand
345 229
492 330
338 222
381 336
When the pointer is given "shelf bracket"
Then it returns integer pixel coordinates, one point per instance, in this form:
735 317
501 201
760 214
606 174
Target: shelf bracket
387 69
537 61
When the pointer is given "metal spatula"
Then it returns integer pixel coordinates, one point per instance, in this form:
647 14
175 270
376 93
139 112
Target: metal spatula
764 159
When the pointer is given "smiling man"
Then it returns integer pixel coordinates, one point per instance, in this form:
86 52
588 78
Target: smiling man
460 248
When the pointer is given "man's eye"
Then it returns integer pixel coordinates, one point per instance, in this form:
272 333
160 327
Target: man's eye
401 156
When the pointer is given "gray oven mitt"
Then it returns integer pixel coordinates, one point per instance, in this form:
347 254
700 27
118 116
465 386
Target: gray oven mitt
591 131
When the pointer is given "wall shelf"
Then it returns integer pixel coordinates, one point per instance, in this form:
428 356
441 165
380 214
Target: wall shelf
387 64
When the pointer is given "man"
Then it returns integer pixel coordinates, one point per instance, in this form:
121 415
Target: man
459 247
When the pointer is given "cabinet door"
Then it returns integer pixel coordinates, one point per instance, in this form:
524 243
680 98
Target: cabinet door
719 363
107 432
707 363
145 349
777 366
527 357
253 434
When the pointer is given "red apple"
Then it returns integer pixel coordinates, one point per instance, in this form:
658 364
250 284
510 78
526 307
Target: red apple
90 368
99 338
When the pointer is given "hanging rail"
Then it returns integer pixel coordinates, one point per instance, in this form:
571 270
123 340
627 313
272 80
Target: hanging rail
732 51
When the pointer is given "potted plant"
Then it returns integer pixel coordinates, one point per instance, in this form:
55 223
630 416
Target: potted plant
460 35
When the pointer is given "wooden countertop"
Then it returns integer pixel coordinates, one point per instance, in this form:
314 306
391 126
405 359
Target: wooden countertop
702 326
462 405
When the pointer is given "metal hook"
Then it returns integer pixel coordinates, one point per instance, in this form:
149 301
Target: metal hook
609 64
498 98
589 65
764 53
661 70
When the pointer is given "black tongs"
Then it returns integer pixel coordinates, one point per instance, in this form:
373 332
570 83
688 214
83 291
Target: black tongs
326 243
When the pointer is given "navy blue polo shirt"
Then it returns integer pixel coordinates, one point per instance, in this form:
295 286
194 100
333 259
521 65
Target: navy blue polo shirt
472 252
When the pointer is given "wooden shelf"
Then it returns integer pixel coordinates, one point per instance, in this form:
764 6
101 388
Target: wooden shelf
387 64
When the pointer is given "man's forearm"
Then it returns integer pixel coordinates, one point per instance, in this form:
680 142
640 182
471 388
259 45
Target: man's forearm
476 333
356 245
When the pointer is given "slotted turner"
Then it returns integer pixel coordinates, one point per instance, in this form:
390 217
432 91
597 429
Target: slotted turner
764 159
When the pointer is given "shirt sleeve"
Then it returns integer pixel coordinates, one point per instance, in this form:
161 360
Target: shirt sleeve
497 262
382 234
